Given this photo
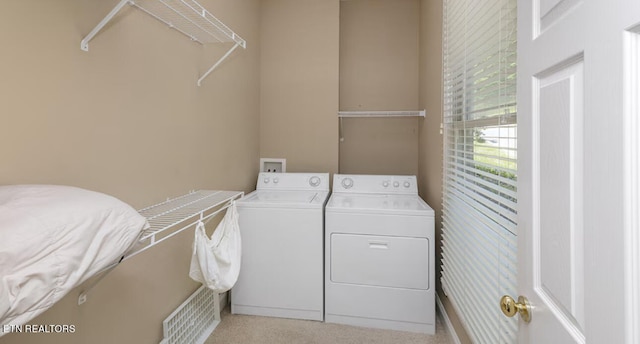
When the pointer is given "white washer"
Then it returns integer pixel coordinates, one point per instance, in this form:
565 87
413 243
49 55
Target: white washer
281 225
379 254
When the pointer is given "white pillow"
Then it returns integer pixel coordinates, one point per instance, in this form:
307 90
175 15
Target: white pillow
52 238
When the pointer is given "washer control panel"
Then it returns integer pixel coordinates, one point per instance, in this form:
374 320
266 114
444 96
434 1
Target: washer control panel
366 183
293 181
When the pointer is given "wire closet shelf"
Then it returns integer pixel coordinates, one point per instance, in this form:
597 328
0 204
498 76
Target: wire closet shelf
194 206
189 18
347 114
171 217
185 16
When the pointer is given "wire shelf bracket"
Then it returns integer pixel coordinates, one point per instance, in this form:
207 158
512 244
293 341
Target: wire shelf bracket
187 17
170 218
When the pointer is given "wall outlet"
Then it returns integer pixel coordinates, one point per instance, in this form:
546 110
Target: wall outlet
273 165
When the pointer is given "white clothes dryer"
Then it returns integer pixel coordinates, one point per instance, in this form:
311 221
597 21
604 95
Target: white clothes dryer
281 226
379 254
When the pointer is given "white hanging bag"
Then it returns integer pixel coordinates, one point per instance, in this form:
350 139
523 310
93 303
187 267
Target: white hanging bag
216 261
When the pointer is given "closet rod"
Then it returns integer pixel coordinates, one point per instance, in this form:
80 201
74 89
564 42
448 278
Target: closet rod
344 114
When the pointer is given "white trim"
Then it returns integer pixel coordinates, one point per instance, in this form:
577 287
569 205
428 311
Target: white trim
447 321
632 183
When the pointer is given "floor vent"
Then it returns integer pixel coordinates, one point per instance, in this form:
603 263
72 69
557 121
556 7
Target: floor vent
194 320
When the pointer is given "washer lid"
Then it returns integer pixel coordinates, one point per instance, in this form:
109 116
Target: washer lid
379 204
289 199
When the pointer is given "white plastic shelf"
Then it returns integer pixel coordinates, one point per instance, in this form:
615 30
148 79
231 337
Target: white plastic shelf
345 114
185 16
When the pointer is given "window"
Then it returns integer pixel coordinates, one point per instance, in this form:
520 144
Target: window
480 164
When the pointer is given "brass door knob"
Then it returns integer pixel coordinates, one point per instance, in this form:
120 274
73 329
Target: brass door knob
510 307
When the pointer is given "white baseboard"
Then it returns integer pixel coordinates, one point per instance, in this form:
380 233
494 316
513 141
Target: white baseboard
447 321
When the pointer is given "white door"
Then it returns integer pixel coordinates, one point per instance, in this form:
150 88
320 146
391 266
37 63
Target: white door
577 82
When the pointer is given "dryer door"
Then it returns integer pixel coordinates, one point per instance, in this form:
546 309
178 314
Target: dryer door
384 261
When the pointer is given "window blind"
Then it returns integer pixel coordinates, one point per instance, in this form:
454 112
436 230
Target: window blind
480 164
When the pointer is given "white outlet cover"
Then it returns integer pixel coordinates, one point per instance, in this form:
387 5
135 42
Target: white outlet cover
273 165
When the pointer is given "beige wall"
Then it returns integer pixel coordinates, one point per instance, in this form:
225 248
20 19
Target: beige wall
430 177
127 119
299 83
379 71
379 54
379 145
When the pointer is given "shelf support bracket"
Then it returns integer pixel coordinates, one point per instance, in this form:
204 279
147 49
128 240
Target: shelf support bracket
218 63
84 45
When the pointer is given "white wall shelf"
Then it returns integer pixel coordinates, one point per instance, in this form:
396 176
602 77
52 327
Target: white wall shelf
172 217
166 218
187 17
345 114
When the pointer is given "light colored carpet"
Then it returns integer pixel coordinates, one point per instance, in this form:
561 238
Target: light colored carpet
248 329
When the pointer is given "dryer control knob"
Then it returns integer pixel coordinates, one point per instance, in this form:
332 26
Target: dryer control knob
314 181
347 183
266 180
276 180
407 184
385 184
396 184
